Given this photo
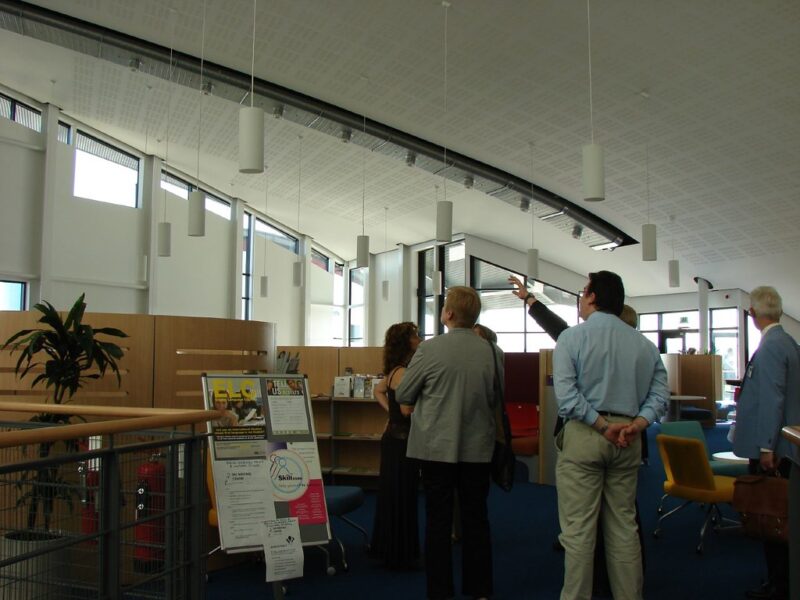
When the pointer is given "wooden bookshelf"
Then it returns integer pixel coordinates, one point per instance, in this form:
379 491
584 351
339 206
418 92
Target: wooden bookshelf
348 429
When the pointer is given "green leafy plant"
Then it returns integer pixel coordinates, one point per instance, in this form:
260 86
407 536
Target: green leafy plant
71 356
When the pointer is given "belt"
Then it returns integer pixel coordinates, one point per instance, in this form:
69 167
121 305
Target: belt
613 414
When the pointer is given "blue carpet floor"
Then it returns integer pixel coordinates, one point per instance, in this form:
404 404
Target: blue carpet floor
524 526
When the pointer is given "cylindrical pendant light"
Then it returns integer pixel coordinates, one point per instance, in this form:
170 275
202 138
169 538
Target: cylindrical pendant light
264 281
533 263
264 284
385 281
251 139
297 273
197 213
251 124
444 221
649 246
197 199
165 239
594 181
533 253
674 273
437 283
362 251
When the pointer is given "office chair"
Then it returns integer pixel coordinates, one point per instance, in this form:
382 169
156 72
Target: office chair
693 429
689 478
341 500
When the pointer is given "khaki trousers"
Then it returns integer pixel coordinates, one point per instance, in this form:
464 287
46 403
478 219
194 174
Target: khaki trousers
592 471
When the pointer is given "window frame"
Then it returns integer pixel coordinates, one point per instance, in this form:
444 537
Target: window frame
79 133
24 292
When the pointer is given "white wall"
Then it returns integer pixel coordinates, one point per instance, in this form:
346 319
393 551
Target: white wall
385 312
21 186
284 304
194 280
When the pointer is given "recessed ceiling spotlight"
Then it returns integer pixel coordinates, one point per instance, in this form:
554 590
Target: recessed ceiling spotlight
411 158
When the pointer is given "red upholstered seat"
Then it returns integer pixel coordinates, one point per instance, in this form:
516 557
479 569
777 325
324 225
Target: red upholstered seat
525 446
524 420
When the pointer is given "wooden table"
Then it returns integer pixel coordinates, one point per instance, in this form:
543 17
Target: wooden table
674 410
792 433
729 457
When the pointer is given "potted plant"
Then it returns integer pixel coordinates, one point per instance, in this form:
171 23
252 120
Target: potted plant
71 355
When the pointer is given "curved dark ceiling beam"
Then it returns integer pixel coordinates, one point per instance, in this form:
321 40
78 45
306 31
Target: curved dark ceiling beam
104 43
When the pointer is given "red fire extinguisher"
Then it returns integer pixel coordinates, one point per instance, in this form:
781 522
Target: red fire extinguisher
148 552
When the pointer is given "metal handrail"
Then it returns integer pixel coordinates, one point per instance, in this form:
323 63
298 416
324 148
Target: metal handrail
125 419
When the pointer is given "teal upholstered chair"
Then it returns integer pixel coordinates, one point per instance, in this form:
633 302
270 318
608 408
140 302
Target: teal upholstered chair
693 429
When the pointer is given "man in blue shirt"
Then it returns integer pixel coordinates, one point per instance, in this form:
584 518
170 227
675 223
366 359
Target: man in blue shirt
610 384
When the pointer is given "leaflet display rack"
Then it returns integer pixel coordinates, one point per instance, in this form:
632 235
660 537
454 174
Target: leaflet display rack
264 457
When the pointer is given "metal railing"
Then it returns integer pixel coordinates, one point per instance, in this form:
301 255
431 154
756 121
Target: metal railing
108 509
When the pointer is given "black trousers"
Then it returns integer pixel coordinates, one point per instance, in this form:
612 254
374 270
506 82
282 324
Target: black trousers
776 553
471 481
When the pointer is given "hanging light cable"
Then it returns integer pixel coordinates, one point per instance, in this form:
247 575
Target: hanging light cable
264 281
197 198
362 242
444 209
164 240
298 274
594 185
251 123
385 282
649 243
533 253
674 265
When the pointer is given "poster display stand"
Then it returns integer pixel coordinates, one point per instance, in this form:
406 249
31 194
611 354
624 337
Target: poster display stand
264 458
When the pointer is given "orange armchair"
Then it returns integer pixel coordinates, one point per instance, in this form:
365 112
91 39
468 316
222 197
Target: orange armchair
689 477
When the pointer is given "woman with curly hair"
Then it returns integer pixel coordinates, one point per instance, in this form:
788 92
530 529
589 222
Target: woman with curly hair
395 536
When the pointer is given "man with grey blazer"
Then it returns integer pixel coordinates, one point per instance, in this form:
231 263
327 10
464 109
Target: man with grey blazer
770 399
448 387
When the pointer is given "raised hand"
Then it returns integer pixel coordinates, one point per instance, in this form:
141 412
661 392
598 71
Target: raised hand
520 289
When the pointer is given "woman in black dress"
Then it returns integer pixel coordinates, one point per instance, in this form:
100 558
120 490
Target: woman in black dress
395 536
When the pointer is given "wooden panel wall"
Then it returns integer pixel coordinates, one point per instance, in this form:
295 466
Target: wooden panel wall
319 363
186 347
164 357
136 381
367 361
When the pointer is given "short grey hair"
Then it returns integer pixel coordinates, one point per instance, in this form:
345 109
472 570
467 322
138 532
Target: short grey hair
766 303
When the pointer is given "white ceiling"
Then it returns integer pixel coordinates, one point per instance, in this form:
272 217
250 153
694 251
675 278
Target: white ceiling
719 128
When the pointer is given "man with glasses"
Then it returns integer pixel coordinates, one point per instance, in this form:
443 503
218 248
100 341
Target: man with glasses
610 385
770 399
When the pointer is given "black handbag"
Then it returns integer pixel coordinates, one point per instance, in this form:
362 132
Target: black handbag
503 459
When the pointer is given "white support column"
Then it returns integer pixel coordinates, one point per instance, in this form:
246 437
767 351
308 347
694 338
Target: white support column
237 268
50 117
703 286
151 202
